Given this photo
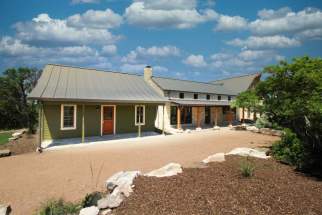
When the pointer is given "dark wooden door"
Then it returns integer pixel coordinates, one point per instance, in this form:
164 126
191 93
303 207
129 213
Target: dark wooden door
207 115
108 119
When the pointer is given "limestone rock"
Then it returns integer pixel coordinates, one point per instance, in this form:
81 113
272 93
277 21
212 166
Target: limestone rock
123 181
5 152
93 210
216 128
106 212
218 157
168 170
249 152
5 209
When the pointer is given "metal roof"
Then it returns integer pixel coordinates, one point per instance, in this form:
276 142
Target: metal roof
238 84
59 82
191 86
200 102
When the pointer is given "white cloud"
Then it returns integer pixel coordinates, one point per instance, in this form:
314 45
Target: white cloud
99 19
315 34
251 55
285 21
228 23
84 1
195 61
138 68
45 29
175 14
109 49
160 69
154 51
255 42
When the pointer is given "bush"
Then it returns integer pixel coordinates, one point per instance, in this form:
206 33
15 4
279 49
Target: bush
247 168
59 207
289 149
263 122
91 199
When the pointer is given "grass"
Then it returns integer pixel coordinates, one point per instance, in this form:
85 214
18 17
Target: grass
4 137
58 207
247 168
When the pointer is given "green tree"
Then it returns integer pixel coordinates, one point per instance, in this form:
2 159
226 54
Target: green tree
292 98
247 99
15 110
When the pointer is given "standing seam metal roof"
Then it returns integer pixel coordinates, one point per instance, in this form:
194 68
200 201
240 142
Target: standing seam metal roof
59 82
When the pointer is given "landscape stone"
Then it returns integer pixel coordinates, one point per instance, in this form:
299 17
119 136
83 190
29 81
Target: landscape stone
106 212
218 157
216 128
123 181
93 210
114 199
249 152
166 171
5 153
5 209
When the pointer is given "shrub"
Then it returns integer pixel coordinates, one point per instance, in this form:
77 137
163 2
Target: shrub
91 199
247 168
263 122
59 207
289 149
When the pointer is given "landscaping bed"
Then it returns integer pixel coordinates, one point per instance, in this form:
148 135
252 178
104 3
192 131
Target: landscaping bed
26 143
221 189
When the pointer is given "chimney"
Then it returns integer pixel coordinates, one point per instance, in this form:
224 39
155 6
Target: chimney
147 73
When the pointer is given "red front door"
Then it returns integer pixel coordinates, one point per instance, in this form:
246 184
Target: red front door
108 119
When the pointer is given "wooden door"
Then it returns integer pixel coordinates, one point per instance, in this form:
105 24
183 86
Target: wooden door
108 119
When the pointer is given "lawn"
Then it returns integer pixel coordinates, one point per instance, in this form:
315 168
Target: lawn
4 137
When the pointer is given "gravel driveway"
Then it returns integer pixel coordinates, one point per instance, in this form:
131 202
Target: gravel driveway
29 179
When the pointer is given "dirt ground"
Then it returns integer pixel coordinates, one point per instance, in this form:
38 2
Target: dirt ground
27 143
26 180
221 189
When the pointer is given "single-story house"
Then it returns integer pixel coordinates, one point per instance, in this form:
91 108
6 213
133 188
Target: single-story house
82 102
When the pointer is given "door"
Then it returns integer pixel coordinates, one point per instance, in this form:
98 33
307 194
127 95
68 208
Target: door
207 115
108 119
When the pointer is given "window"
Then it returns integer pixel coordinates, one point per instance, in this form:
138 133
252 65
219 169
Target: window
208 97
139 115
68 117
181 95
185 115
219 97
229 98
195 96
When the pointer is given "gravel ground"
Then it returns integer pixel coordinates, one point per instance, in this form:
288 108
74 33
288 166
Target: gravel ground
221 189
29 179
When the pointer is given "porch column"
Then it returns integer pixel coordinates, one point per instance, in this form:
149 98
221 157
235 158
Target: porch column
178 117
40 123
163 119
216 116
198 117
83 123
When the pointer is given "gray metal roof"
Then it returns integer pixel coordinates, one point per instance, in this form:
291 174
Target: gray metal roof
59 82
200 102
191 86
238 84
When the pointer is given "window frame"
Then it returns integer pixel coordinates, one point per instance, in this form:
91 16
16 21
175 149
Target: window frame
135 115
62 117
181 93
229 98
219 97
208 97
195 96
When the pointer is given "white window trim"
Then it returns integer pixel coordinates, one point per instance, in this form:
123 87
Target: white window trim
136 106
62 117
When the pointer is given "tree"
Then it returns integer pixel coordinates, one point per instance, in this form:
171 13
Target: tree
292 98
247 99
15 110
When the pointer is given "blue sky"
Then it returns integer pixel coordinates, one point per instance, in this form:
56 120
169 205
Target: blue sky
188 39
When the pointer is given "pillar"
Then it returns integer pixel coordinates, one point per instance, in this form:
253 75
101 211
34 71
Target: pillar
40 123
83 123
163 119
216 116
178 117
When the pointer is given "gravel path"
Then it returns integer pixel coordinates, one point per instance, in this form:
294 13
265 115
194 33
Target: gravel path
27 180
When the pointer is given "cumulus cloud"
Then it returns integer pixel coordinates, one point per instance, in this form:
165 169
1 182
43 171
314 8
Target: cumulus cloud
158 14
286 21
229 23
195 61
84 1
255 42
109 50
154 51
138 68
45 29
99 19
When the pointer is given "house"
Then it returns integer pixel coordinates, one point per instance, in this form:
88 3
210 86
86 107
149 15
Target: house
81 102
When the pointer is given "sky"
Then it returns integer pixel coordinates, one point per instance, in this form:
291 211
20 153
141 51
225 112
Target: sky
200 40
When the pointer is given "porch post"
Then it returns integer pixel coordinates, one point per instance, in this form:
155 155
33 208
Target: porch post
139 130
178 117
216 116
40 124
198 117
162 119
83 123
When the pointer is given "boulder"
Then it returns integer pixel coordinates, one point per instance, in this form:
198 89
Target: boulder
13 138
249 152
216 128
218 157
5 209
198 129
5 153
187 131
18 134
106 212
168 170
93 210
112 200
123 181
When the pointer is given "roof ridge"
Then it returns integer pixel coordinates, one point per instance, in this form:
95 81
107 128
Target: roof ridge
98 70
177 79
239 76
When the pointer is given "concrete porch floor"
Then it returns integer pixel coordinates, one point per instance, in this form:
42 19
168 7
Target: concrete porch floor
77 142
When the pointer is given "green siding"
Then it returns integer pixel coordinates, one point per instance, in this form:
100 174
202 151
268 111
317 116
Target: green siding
124 120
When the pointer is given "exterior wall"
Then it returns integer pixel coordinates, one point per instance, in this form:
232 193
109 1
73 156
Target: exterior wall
201 96
124 120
